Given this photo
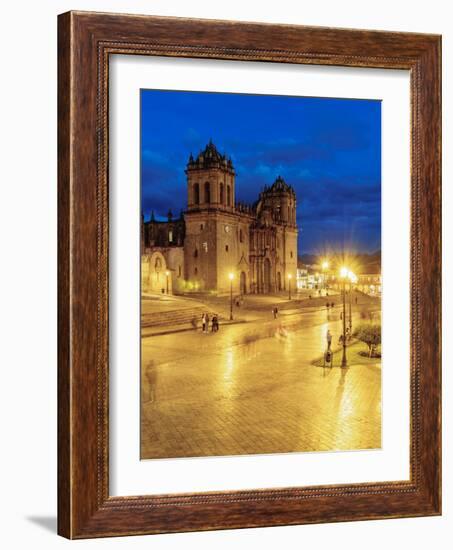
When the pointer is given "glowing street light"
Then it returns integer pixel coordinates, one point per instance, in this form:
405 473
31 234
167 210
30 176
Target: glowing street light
352 280
231 277
289 285
344 273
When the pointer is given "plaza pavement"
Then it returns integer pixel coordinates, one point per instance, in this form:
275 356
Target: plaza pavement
251 389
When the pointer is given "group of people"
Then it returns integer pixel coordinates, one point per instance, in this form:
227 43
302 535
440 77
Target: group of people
205 322
348 336
340 339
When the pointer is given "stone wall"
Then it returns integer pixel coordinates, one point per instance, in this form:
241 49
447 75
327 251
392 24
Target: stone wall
163 270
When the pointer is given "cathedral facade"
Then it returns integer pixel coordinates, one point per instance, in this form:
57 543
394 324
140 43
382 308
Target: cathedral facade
218 239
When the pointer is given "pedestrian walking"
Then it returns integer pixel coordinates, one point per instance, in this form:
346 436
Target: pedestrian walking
207 323
275 312
215 323
203 322
329 340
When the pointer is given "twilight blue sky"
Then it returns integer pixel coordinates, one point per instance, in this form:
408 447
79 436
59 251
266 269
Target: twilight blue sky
329 150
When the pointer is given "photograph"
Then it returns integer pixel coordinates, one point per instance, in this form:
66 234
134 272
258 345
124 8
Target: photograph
260 274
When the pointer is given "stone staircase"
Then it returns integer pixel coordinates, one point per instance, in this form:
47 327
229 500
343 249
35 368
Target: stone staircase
178 318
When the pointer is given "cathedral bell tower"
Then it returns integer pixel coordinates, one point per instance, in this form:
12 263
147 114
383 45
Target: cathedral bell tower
210 180
210 248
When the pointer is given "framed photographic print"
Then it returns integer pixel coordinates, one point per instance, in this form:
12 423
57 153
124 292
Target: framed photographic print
249 275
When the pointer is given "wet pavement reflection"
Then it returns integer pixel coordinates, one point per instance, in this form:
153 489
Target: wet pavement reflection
251 389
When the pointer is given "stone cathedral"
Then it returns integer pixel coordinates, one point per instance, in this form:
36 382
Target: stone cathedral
217 237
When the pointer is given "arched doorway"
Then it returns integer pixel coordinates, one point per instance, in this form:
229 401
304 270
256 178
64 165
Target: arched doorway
156 275
243 281
279 280
267 276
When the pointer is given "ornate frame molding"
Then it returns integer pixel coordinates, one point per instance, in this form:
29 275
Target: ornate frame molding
86 40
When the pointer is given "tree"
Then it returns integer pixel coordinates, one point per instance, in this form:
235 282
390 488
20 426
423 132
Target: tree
370 335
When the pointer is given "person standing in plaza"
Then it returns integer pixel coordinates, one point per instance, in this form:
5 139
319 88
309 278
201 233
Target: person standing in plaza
329 340
215 323
203 322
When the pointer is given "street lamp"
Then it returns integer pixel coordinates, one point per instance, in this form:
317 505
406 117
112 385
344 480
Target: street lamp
344 272
325 267
167 273
352 279
343 275
289 285
231 277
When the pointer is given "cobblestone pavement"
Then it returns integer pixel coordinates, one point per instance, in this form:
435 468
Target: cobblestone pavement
251 389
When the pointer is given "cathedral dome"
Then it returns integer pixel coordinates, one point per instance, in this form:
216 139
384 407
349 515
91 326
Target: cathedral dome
210 157
280 186
212 153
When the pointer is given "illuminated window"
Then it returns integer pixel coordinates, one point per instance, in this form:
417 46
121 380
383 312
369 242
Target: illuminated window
170 236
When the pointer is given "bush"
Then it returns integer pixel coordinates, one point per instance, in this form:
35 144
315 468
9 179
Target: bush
370 335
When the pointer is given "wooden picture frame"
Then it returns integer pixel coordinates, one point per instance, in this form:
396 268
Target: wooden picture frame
85 41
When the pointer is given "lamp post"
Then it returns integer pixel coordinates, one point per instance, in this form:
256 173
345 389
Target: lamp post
289 286
325 267
167 273
231 277
352 279
343 276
